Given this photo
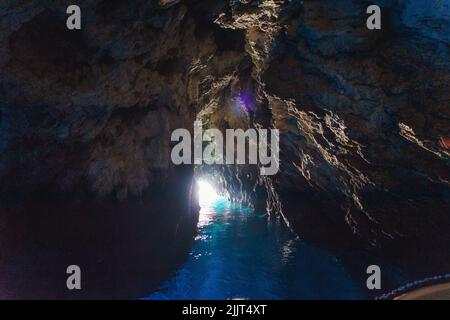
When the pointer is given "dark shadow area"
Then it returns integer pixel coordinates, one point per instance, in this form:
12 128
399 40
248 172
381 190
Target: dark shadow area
124 249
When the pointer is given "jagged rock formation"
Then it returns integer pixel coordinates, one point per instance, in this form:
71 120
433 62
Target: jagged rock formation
345 99
86 118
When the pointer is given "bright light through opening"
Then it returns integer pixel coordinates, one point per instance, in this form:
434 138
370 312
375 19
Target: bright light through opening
206 193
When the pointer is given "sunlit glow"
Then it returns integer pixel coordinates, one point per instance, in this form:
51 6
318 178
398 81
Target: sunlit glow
206 193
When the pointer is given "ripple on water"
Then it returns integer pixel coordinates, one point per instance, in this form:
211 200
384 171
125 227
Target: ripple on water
240 254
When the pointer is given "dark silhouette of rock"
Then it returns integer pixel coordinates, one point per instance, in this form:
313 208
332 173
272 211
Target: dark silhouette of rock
86 118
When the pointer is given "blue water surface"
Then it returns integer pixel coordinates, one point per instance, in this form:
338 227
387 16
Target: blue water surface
241 254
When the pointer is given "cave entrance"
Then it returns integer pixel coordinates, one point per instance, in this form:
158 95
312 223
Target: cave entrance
206 192
209 199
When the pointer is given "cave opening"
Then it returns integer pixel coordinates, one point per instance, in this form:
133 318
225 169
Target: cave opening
360 172
206 192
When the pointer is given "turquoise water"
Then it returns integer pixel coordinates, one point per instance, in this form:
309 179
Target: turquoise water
241 254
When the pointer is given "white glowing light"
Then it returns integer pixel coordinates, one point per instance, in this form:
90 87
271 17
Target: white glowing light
206 193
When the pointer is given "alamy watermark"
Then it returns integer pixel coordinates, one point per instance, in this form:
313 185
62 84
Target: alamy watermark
74 280
237 141
73 21
374 280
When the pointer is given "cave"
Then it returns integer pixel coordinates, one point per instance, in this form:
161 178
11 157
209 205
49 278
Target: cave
86 118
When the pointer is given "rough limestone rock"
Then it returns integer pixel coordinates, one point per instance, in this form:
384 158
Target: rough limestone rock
86 118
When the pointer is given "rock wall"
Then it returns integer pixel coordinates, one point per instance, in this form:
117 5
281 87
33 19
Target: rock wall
363 113
86 118
363 116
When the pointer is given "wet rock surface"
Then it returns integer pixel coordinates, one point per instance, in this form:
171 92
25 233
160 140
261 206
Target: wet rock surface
86 117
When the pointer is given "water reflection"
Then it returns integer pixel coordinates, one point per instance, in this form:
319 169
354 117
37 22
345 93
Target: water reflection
241 254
